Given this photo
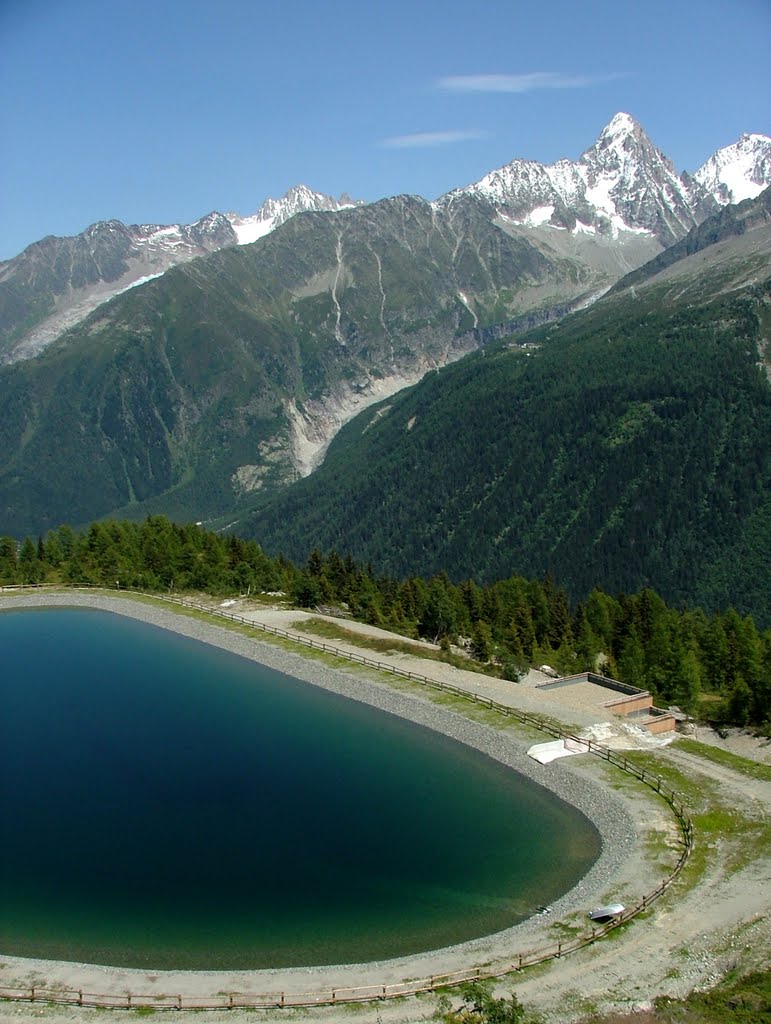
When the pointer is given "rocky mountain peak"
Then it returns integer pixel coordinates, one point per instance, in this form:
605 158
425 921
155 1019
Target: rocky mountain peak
274 212
102 229
622 148
621 131
621 184
212 232
213 221
635 186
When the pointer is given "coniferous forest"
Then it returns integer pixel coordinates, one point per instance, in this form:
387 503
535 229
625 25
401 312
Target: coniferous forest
627 446
716 666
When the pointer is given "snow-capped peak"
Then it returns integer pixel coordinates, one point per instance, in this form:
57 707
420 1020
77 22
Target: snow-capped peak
619 126
273 212
623 148
740 171
622 183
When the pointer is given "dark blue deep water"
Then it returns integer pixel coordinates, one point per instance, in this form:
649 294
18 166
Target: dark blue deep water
168 804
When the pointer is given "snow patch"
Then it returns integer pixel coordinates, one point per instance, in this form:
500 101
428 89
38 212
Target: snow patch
249 229
172 229
540 215
140 280
599 195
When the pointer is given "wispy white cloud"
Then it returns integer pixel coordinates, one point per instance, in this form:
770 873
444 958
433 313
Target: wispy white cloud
419 139
522 83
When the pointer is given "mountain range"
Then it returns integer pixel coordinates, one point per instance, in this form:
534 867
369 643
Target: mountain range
621 185
56 282
214 385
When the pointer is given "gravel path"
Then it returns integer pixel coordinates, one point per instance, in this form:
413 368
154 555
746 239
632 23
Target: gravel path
624 870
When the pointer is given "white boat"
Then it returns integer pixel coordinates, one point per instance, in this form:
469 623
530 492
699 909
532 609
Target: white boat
606 912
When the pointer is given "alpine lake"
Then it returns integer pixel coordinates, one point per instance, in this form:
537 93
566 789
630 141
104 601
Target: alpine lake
171 805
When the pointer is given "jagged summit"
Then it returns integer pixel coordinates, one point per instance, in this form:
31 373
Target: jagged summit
273 212
616 133
620 123
622 145
622 183
740 171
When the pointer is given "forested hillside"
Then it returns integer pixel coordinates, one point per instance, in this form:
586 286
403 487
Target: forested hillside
627 446
718 666
214 381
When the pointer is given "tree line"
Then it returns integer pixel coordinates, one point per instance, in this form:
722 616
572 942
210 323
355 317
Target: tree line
717 666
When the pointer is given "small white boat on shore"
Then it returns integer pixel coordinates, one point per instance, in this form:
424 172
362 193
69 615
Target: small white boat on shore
607 912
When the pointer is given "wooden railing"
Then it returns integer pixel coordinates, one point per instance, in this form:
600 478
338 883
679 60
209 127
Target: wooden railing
368 993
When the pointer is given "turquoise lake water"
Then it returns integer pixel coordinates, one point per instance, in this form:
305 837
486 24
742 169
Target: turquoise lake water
169 804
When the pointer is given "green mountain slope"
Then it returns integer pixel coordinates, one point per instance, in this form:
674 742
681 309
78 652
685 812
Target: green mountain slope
226 377
630 446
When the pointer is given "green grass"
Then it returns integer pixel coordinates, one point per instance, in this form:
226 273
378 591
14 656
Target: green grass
741 838
695 793
388 645
564 930
736 1000
726 759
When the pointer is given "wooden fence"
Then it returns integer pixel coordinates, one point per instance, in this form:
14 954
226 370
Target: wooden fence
369 993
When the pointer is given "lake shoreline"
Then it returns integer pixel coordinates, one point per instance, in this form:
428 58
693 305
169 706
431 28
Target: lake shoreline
566 779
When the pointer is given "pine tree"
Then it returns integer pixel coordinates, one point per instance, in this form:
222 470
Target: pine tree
481 641
631 662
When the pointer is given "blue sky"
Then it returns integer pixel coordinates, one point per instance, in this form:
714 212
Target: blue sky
162 110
